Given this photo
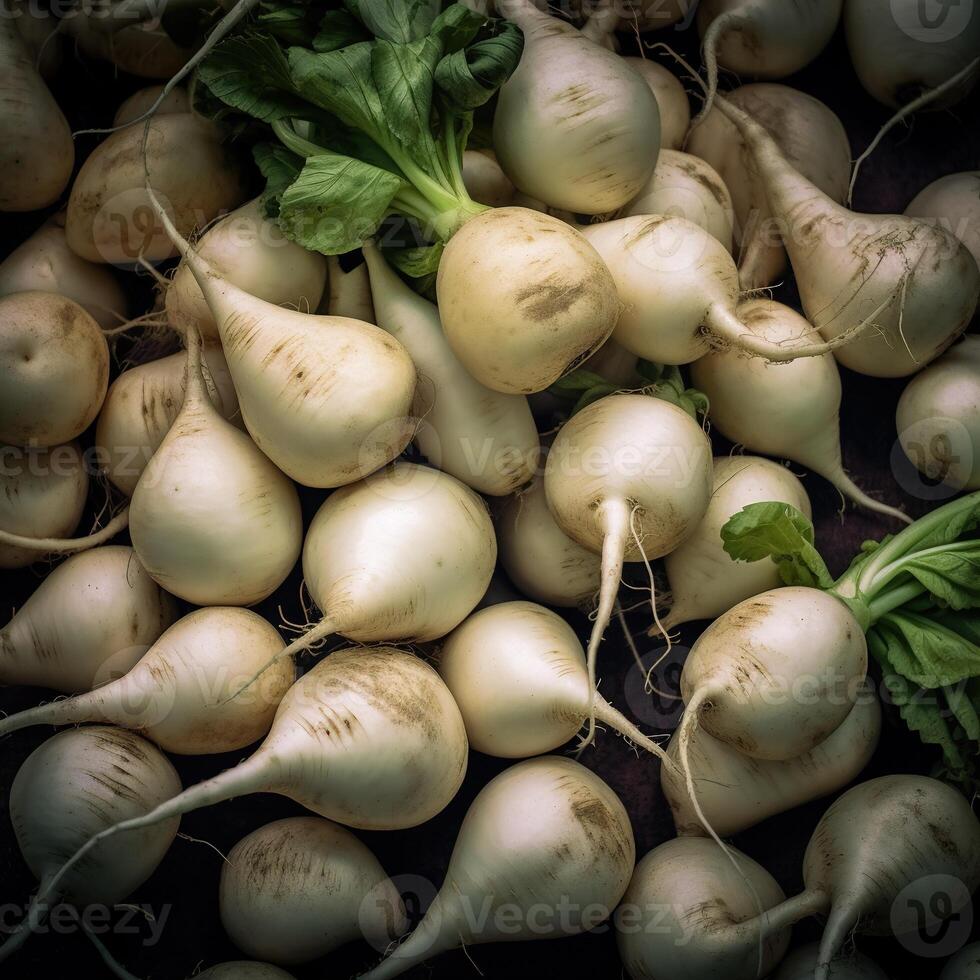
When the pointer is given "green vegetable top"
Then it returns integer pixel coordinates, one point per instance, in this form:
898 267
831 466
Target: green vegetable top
917 595
371 107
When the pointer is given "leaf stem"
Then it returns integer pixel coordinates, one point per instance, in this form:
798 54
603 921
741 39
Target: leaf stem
891 599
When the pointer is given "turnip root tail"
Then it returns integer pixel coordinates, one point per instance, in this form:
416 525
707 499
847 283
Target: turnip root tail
611 716
709 49
434 934
841 921
67 546
70 711
615 518
45 898
850 489
111 963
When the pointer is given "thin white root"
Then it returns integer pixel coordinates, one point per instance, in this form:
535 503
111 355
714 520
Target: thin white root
69 545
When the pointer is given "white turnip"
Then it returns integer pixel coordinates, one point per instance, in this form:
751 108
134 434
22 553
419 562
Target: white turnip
675 109
131 109
952 201
800 964
348 293
243 970
965 965
485 181
145 50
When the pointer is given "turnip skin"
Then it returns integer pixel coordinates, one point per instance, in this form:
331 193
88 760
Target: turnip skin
93 617
485 181
965 965
547 319
55 363
141 406
687 912
539 557
144 50
746 394
800 963
44 263
953 201
248 250
545 834
672 101
37 153
130 109
296 889
776 674
109 217
349 293
42 495
181 694
575 125
736 792
704 580
244 970
938 417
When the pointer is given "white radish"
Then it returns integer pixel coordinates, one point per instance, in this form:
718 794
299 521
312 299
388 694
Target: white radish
675 109
131 109
544 837
211 518
679 289
243 970
704 580
349 293
902 48
952 201
141 405
763 38
539 557
688 915
800 964
182 693
630 478
145 50
916 284
109 217
485 438
575 126
891 837
812 139
296 889
938 417
548 295
249 251
42 495
485 181
686 186
92 618
39 29
747 394
327 399
70 788
55 363
518 674
736 792
44 263
36 149
965 965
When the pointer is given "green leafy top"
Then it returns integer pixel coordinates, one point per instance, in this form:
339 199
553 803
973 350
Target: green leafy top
917 595
369 107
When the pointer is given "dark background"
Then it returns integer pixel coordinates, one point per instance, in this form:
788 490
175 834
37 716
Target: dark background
912 156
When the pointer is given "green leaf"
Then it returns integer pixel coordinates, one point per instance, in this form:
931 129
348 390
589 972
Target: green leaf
469 77
953 577
578 380
778 531
456 26
397 20
336 203
290 22
926 652
962 701
251 74
338 29
280 167
417 262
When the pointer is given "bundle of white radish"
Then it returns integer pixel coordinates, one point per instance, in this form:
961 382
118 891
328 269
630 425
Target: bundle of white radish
211 518
628 477
736 791
348 293
965 965
90 620
141 406
575 125
812 139
244 970
485 181
518 674
370 738
800 964
74 786
539 557
36 149
248 251
901 49
704 581
679 289
483 437
688 915
891 837
55 364
327 399
763 38
42 495
296 889
44 263
908 287
747 394
952 201
133 108
686 186
403 556
109 218
547 839
545 323
938 417
182 692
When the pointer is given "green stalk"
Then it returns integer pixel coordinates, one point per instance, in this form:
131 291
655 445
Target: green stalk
293 141
884 603
897 567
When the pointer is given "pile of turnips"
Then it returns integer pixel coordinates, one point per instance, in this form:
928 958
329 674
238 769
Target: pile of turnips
351 313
